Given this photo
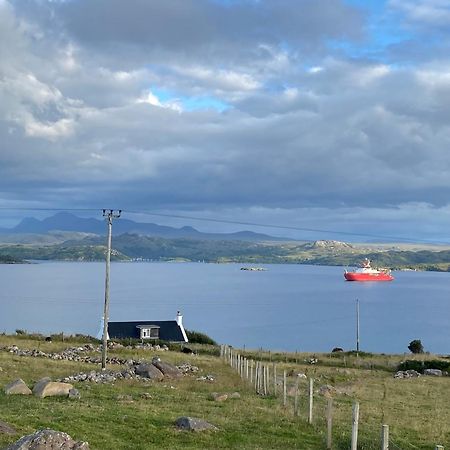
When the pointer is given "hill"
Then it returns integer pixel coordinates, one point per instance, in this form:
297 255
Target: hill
67 222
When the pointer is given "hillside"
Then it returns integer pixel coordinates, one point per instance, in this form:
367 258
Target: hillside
128 247
132 413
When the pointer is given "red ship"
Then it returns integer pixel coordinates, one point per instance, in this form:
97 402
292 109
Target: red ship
367 273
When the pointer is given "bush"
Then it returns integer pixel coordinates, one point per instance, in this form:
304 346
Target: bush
416 346
195 337
420 366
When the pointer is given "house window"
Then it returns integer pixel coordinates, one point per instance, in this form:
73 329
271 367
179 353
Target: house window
149 332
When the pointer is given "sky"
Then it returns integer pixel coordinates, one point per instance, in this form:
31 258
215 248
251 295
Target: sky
320 114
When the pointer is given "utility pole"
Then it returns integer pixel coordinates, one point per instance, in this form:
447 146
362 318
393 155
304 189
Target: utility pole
357 327
109 215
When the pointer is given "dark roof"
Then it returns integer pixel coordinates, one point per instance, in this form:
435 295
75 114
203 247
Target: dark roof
168 329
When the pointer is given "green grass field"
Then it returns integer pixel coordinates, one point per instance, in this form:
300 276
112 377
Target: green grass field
415 409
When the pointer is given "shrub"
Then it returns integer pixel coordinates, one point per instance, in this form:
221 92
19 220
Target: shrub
416 346
196 337
420 366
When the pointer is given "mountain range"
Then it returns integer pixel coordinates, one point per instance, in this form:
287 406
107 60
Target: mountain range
67 222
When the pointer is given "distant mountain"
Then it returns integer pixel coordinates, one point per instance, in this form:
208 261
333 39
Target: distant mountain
67 222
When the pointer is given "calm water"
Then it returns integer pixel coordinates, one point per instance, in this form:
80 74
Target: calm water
287 307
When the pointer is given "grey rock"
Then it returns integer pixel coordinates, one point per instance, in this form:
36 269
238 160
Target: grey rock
6 429
74 394
17 387
217 397
47 388
169 370
407 374
48 440
235 395
193 424
433 372
149 371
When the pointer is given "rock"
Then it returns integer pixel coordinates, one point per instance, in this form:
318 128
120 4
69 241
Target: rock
235 395
187 350
146 396
149 371
193 424
6 429
47 388
17 387
169 370
327 391
74 394
433 372
407 374
48 440
218 397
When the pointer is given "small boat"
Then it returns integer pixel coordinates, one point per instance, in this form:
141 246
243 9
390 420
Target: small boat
367 273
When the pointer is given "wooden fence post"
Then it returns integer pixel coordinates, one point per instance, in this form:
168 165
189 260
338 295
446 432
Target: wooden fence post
311 393
256 375
251 372
385 437
296 396
274 379
284 388
329 422
355 420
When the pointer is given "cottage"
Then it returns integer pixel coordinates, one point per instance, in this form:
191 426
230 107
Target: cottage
164 330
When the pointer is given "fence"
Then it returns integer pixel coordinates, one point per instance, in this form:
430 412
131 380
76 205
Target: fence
266 379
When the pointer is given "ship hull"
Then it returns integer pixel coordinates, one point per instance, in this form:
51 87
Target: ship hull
380 276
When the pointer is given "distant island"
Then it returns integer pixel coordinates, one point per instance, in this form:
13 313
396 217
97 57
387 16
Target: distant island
65 237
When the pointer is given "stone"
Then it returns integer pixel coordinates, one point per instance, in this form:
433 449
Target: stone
17 387
48 440
146 396
433 372
218 397
168 370
194 424
74 394
407 374
149 371
235 395
327 391
48 388
6 429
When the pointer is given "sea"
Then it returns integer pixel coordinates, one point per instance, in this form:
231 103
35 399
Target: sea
283 308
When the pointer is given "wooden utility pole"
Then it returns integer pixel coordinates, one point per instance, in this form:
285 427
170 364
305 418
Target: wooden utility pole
109 215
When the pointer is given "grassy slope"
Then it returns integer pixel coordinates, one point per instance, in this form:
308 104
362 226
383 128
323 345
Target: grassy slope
107 423
415 409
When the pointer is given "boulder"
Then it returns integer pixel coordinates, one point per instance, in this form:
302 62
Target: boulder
6 429
48 440
168 370
218 397
433 372
149 371
74 394
235 395
48 388
17 387
193 424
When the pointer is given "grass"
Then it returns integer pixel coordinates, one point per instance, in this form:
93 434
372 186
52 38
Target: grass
416 410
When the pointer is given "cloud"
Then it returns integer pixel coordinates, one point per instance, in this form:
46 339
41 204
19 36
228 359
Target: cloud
210 106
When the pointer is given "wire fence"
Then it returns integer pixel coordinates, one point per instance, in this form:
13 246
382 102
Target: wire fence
338 422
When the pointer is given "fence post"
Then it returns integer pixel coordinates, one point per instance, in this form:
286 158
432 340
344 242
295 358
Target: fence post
329 423
385 437
296 396
274 379
251 371
256 375
311 393
284 388
355 420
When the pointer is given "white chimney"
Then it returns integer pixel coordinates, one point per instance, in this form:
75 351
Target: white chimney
179 319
